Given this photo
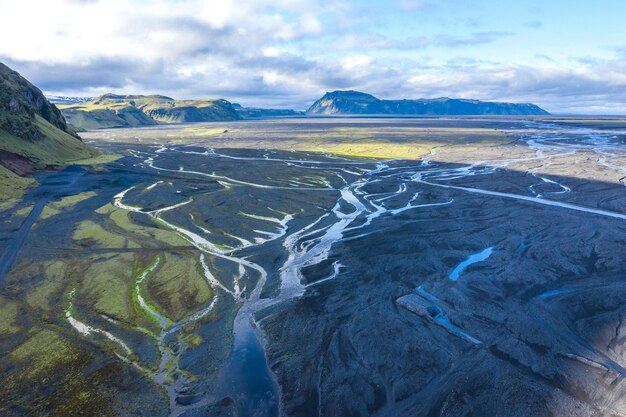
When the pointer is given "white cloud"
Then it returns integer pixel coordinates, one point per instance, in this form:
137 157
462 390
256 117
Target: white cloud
356 62
288 52
271 51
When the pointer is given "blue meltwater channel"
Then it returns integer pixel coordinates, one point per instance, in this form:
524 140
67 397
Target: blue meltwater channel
472 259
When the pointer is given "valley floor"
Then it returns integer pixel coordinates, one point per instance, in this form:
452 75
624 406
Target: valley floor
475 267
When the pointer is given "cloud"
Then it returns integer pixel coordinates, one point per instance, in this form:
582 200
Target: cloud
476 38
286 53
534 24
351 63
376 41
597 88
111 73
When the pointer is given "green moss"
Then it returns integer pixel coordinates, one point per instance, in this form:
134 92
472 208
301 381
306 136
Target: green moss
48 211
7 202
394 142
106 209
121 218
49 359
179 288
12 186
52 209
141 286
103 158
169 368
199 131
46 293
9 311
42 353
74 199
91 232
55 147
194 341
106 283
23 212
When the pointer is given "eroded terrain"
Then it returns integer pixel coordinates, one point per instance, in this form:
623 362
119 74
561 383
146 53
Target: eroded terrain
272 267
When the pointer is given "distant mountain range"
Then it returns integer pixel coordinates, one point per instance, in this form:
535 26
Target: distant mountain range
67 100
357 103
112 110
256 112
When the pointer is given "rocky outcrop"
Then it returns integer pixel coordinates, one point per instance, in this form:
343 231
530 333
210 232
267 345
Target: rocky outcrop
20 101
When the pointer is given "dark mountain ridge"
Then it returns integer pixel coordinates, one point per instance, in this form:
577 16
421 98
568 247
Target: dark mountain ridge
358 103
20 101
258 112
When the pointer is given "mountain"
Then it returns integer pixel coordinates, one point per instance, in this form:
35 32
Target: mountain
354 102
256 112
33 134
21 102
67 100
112 110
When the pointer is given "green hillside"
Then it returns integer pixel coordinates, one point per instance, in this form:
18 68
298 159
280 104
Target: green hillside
33 135
111 110
55 147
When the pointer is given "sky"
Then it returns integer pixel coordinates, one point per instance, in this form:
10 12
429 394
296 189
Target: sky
567 56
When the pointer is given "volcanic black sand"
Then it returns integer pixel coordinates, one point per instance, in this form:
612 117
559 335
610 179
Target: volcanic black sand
237 269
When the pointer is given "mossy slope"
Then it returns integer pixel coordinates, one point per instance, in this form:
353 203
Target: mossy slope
33 134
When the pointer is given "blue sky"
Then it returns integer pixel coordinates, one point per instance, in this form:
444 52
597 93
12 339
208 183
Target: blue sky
567 56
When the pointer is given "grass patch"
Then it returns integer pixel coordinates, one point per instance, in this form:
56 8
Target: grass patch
103 158
90 233
52 209
12 186
194 341
48 211
74 199
396 142
199 131
48 293
139 287
121 218
179 289
41 354
24 211
411 139
106 283
56 148
9 311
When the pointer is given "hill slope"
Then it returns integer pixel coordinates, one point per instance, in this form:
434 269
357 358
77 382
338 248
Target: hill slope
257 113
354 103
112 110
33 134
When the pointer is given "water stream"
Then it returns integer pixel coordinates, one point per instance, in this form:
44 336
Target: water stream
472 259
